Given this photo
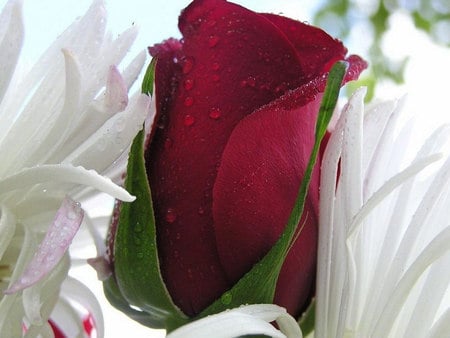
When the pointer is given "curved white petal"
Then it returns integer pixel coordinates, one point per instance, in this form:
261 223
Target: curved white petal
63 173
80 293
245 320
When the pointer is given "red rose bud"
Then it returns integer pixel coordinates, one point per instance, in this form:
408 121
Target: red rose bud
237 100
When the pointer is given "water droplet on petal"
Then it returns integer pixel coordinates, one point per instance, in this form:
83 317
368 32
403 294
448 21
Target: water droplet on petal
188 65
188 101
216 78
249 82
189 120
214 113
171 215
226 298
188 84
201 211
215 66
168 143
213 41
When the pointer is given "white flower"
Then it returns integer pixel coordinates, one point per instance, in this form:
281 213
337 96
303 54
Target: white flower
384 242
65 130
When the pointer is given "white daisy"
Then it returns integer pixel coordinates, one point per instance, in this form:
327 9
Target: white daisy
65 130
384 262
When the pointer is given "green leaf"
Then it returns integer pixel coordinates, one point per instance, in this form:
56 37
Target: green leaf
149 78
135 250
258 285
306 321
138 281
115 298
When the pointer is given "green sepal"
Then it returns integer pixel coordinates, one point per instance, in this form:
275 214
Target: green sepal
149 78
307 319
258 285
136 259
116 299
138 281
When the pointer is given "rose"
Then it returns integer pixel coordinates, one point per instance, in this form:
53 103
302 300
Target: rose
236 103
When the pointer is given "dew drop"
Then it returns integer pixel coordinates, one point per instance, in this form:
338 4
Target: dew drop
101 144
138 227
201 211
226 298
215 66
216 78
168 143
188 65
188 84
171 215
188 101
140 255
213 41
71 215
120 124
215 113
249 82
189 120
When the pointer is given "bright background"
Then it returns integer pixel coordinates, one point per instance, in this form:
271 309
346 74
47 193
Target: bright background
426 75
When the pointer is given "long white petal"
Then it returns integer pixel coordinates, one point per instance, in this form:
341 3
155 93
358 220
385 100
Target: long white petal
63 173
10 43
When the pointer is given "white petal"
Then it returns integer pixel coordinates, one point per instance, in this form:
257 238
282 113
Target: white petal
55 173
246 320
113 138
80 293
7 228
11 42
55 244
116 93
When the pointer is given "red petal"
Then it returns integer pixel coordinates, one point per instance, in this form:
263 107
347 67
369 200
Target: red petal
232 62
316 50
256 187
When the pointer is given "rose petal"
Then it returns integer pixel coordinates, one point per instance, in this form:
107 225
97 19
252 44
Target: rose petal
256 187
316 50
56 242
232 62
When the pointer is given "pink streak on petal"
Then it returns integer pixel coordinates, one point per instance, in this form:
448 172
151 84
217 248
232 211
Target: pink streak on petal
116 94
59 236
